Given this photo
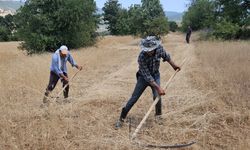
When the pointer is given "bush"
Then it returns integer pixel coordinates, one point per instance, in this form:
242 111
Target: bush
173 26
200 15
226 30
244 34
4 34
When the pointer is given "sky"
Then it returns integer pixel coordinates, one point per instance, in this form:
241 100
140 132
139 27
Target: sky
168 5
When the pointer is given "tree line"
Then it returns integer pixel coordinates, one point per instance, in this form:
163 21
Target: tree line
143 19
44 25
221 19
7 26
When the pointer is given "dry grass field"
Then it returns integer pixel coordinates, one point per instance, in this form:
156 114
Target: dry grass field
208 100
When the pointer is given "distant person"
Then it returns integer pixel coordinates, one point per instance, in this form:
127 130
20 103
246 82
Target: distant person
148 74
188 35
58 69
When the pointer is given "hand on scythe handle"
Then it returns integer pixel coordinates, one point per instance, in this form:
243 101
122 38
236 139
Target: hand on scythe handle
79 67
69 80
160 90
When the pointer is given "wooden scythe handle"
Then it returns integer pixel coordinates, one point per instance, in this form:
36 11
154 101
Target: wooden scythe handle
154 103
66 84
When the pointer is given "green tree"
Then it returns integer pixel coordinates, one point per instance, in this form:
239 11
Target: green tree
4 34
233 19
7 28
146 19
157 26
111 15
200 14
44 25
226 30
226 19
173 26
122 24
234 11
9 22
135 19
154 20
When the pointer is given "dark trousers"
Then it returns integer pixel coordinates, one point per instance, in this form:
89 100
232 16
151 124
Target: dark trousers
53 79
188 38
141 85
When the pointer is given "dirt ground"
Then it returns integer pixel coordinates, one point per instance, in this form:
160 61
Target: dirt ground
191 112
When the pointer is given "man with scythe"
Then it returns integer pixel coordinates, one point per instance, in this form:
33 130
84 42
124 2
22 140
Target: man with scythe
58 69
148 74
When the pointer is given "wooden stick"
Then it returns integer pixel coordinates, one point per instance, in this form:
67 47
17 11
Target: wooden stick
154 103
66 84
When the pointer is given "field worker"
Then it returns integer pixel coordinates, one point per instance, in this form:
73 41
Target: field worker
58 69
188 35
148 75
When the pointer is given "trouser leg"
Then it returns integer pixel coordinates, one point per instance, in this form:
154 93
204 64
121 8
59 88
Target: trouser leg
158 106
187 39
53 79
139 88
65 83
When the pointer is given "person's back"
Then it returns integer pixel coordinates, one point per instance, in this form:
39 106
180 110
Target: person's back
188 35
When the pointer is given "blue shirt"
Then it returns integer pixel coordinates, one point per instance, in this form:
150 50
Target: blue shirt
149 65
58 64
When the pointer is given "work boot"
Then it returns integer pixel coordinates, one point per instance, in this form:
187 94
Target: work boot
119 124
67 100
45 99
45 102
65 96
159 119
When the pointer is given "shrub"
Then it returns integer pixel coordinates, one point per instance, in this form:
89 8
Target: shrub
4 34
226 30
173 26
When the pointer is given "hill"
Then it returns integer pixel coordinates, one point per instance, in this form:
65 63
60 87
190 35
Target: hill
174 16
11 5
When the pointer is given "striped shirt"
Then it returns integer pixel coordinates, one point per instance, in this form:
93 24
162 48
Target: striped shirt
149 65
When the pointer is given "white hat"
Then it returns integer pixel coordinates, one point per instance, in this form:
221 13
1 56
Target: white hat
149 43
64 49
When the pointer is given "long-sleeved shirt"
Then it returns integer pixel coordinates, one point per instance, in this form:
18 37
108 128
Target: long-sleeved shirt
149 65
58 64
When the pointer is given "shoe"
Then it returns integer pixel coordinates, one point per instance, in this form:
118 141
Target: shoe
67 100
119 124
159 119
59 101
45 99
44 105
